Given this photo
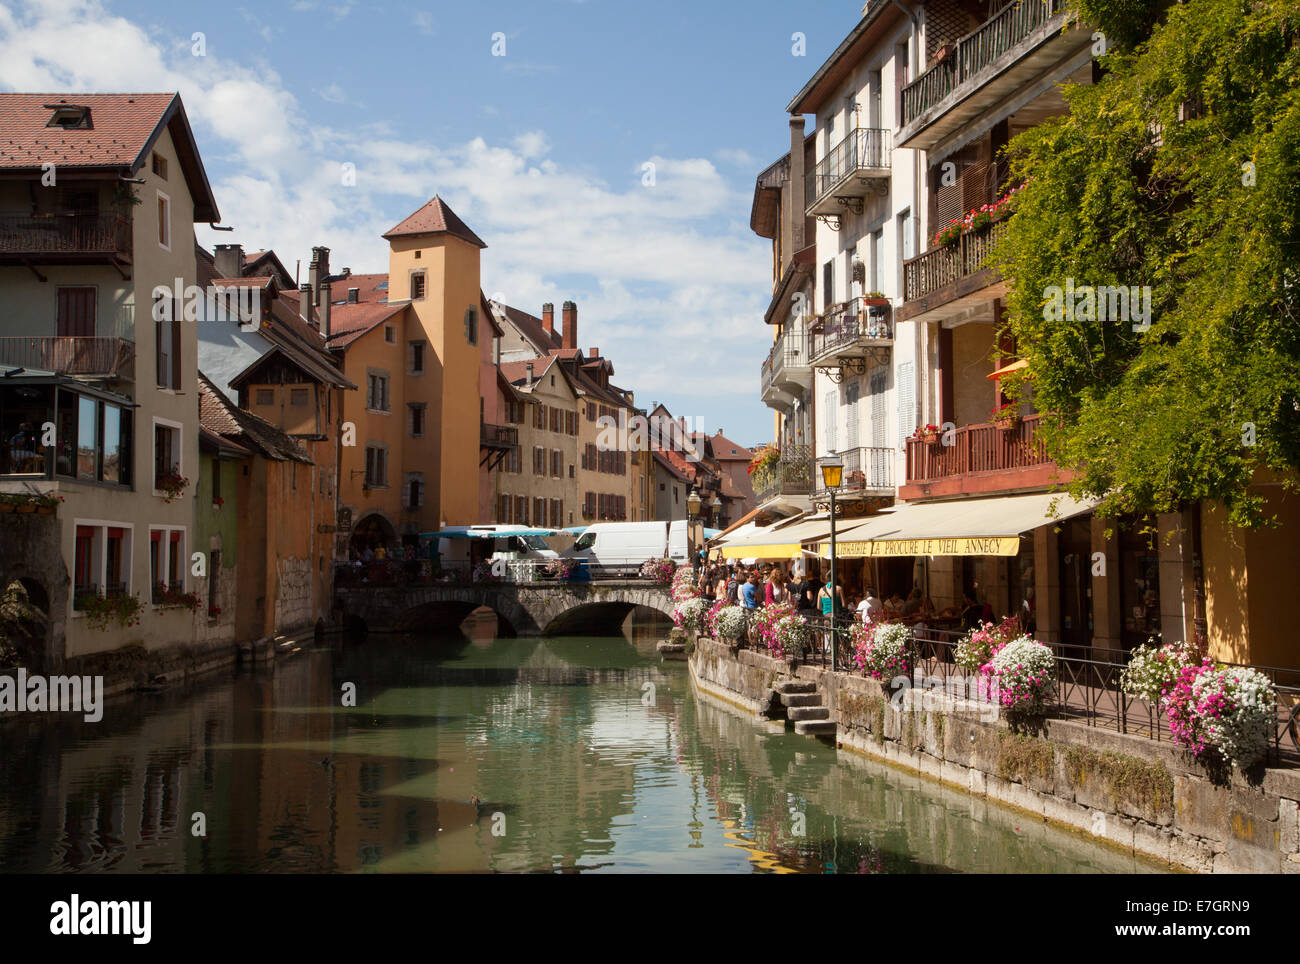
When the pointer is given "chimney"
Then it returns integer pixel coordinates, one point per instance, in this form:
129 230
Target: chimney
569 336
593 353
323 309
229 260
529 381
548 318
320 267
305 308
347 272
353 295
797 200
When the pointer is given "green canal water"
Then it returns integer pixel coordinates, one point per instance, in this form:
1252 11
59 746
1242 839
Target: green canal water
473 753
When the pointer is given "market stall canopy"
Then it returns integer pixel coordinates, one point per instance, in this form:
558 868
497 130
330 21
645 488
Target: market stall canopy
487 532
967 527
778 541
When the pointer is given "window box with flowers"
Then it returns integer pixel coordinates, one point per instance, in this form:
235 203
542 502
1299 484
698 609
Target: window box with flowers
25 502
119 609
214 613
1006 417
929 434
171 484
168 597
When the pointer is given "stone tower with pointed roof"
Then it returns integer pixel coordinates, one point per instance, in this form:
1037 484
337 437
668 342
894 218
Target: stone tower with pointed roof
433 262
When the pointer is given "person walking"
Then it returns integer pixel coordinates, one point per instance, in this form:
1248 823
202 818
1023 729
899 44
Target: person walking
776 592
749 592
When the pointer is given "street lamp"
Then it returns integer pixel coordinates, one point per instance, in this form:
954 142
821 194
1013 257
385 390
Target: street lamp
832 475
692 513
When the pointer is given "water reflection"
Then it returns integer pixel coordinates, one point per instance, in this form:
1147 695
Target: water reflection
466 752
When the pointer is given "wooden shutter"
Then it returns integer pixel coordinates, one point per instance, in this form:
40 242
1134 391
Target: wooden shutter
76 317
176 351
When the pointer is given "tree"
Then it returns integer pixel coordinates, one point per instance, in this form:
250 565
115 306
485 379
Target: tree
1178 171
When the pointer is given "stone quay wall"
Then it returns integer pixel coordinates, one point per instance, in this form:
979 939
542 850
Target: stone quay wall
1143 796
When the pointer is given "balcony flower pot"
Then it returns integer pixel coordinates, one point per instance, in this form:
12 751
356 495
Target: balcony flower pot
6 507
45 510
25 508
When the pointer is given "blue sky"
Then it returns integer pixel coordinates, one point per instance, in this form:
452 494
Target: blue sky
541 150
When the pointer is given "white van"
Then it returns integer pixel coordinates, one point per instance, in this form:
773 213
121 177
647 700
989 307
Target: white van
622 547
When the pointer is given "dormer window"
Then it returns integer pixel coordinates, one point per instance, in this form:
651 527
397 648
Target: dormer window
70 117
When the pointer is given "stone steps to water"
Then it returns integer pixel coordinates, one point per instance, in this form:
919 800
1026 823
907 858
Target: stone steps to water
801 699
795 686
796 713
815 728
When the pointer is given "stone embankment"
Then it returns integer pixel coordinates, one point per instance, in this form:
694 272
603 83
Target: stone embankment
1146 797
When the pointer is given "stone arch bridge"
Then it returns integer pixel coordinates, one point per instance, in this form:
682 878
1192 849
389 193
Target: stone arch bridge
527 609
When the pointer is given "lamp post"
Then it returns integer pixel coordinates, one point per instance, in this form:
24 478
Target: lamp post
832 475
692 513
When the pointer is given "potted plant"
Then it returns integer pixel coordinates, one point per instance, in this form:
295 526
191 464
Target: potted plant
947 237
875 299
47 503
929 434
214 612
120 608
171 484
1006 417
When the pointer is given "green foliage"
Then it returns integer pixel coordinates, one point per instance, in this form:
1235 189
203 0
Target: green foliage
1143 184
18 620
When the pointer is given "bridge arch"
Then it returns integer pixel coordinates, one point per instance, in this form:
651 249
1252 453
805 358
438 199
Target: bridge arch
529 609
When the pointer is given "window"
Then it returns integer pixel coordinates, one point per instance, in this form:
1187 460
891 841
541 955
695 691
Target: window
214 580
71 117
513 461
557 513
471 329
167 455
828 284
417 285
570 470
266 396
376 467
539 461
521 509
557 463
390 335
504 505
416 412
298 396
160 165
415 361
76 312
413 491
875 252
164 221
87 439
167 343
167 562
591 412
101 560
377 391
539 512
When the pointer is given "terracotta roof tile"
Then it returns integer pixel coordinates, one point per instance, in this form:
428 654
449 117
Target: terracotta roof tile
350 322
122 127
218 415
435 218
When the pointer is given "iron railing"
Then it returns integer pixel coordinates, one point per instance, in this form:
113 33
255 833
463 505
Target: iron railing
504 436
65 234
791 474
866 468
849 325
68 356
861 149
976 51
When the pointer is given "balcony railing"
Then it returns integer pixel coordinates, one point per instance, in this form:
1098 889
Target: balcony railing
977 448
946 264
65 235
863 152
498 436
792 474
866 469
788 354
851 324
68 356
976 51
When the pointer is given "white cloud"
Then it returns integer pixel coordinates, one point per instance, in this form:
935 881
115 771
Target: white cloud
423 21
662 275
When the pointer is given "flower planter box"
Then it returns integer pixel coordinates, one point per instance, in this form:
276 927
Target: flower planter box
45 510
1007 424
6 507
24 508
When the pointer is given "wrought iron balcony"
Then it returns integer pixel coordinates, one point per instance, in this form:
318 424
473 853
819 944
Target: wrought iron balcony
64 238
787 370
852 331
1008 48
851 170
791 474
106 357
866 469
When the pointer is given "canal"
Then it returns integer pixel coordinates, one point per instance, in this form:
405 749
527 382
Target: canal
468 752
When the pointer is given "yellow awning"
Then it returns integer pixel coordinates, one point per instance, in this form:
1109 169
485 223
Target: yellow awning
965 527
782 540
773 551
